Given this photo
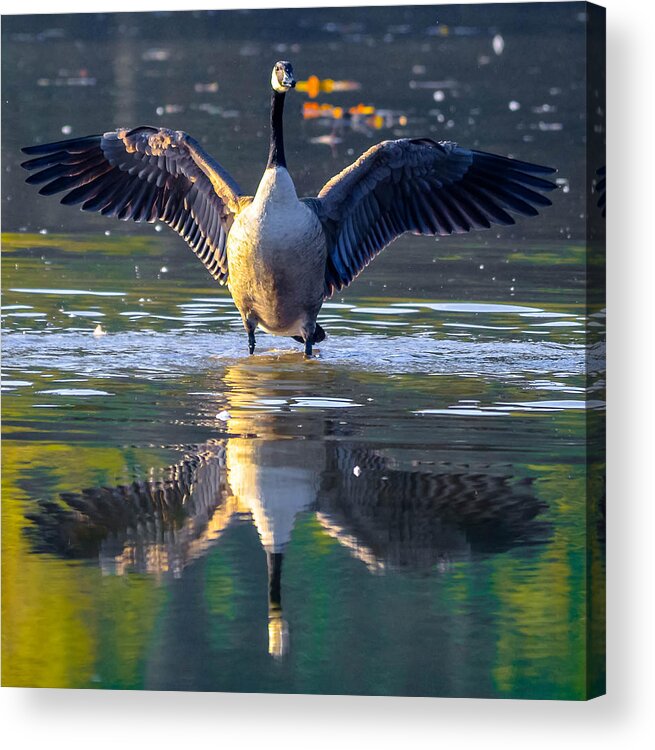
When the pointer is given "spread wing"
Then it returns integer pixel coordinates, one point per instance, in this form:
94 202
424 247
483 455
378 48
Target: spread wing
145 174
423 187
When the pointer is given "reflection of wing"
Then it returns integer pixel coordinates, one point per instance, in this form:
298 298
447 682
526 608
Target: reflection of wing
384 515
150 526
415 519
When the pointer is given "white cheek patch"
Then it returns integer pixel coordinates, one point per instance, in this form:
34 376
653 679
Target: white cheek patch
276 84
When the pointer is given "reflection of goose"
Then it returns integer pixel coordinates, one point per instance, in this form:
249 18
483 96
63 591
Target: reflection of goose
385 515
281 256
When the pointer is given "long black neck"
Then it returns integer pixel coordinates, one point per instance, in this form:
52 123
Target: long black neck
276 151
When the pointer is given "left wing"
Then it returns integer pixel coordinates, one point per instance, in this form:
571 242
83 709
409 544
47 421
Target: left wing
145 174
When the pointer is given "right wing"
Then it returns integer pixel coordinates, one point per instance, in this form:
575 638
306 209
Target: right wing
424 187
145 174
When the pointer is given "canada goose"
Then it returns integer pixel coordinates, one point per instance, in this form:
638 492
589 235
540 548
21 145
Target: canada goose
282 256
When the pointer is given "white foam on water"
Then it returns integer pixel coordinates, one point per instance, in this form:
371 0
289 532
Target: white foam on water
472 307
68 292
76 392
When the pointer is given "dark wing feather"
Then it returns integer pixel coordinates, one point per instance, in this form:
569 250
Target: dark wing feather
601 188
423 187
145 174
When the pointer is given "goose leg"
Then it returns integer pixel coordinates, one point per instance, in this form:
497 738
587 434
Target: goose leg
312 334
308 332
250 326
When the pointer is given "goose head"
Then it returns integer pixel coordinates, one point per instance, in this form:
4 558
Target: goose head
282 78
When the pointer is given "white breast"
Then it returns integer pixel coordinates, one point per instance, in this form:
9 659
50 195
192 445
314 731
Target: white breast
276 220
276 186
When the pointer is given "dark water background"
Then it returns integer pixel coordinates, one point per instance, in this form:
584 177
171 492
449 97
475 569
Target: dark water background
425 486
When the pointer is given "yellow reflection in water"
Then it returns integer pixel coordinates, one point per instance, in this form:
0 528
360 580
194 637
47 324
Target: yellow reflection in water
551 600
58 617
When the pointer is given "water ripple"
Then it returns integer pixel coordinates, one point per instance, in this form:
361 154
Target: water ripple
172 353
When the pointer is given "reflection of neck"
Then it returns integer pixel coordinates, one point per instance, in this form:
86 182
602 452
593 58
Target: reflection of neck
274 560
278 632
276 151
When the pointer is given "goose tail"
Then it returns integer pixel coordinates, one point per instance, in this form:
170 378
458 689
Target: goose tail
319 335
